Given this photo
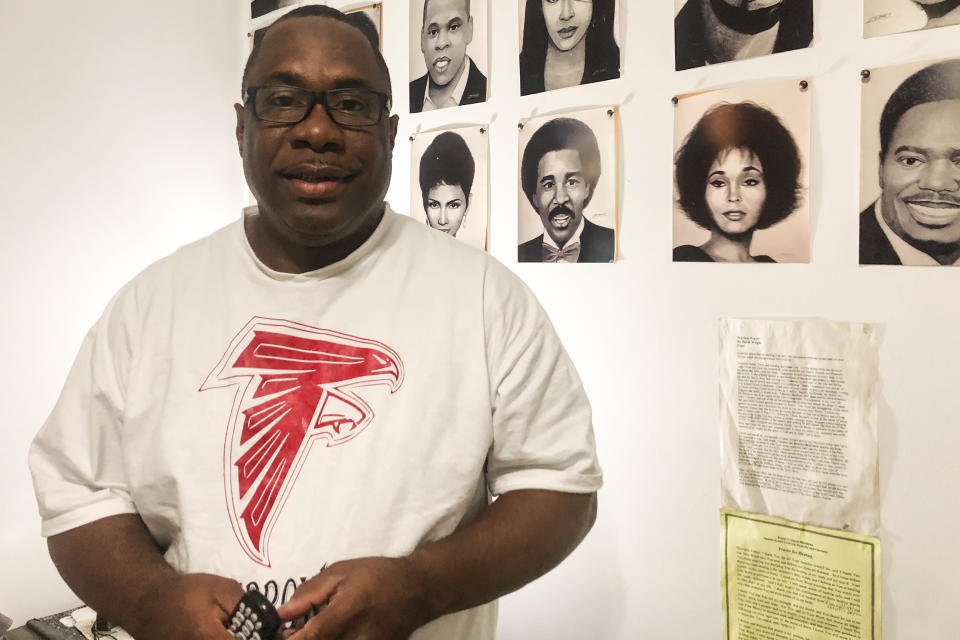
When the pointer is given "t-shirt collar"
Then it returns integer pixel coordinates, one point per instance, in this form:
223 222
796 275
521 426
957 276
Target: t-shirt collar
365 249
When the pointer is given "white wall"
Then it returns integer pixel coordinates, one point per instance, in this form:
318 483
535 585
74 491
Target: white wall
96 187
116 146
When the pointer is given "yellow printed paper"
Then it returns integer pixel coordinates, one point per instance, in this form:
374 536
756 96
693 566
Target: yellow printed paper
783 580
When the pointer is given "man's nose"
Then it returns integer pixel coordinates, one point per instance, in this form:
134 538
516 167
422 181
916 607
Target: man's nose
443 39
317 131
941 174
562 196
566 9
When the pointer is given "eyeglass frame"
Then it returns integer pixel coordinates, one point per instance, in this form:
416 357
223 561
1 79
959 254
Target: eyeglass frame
317 97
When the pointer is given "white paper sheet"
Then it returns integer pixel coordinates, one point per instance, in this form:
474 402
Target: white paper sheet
798 421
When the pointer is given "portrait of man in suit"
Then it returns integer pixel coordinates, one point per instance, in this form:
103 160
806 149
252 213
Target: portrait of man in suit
452 77
916 219
559 172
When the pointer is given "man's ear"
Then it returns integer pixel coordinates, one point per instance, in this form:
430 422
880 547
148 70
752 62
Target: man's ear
880 171
394 121
240 111
469 29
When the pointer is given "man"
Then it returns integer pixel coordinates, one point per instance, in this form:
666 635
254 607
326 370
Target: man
452 78
264 409
916 220
712 31
559 173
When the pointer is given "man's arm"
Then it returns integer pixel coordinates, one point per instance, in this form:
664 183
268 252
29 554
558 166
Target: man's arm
514 540
114 566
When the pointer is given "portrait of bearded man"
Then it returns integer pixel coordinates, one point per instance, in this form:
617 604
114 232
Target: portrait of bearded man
715 31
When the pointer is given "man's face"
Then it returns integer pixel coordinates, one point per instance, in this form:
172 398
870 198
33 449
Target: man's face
316 182
561 193
920 174
447 30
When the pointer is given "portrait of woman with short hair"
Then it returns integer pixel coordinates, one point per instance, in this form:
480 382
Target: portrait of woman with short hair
567 43
449 186
739 172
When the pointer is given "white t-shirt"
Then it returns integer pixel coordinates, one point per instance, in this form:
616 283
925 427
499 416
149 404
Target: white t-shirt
265 424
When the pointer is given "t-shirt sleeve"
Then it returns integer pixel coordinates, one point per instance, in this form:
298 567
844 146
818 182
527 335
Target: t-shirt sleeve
542 422
75 459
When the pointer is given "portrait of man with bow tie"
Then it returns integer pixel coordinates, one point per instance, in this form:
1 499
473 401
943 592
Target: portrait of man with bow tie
559 172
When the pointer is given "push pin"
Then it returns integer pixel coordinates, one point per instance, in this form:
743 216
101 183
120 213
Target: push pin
482 130
803 85
865 75
610 112
675 100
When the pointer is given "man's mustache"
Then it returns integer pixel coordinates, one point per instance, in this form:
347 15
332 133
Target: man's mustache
561 210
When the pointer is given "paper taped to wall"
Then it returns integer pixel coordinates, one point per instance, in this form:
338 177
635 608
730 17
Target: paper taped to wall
798 421
789 581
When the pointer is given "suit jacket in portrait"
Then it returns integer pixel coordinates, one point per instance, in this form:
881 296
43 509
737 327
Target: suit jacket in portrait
475 90
690 42
875 247
596 245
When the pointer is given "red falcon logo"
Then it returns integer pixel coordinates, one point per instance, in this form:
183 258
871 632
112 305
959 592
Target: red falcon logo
296 385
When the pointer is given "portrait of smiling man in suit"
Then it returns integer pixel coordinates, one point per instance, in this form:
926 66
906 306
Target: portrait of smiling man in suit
916 218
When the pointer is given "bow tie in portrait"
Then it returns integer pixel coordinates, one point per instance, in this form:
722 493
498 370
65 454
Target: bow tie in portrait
570 253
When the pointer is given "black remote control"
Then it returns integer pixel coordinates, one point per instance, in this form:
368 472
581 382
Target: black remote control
254 618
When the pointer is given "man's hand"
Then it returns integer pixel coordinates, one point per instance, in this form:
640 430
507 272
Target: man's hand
191 606
114 566
368 598
520 536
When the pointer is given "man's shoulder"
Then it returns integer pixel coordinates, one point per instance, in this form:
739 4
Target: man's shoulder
596 242
689 37
531 250
597 230
875 247
159 281
431 244
418 89
796 26
476 88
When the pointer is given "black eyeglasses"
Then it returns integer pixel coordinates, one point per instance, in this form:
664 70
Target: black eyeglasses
351 107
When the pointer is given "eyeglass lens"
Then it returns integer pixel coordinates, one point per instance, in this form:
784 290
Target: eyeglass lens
352 106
